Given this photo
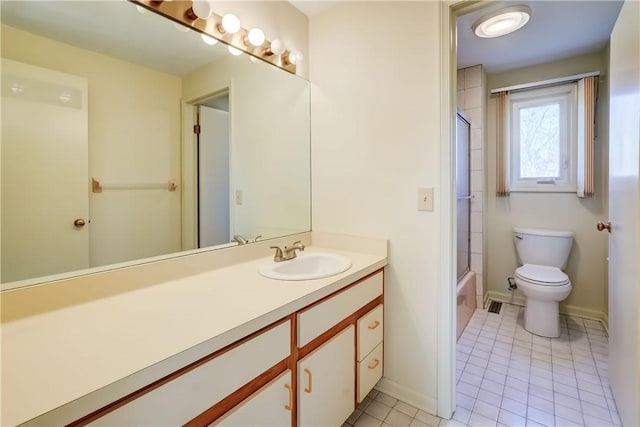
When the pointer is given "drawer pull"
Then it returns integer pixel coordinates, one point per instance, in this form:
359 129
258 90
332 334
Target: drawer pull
290 405
375 325
375 364
310 388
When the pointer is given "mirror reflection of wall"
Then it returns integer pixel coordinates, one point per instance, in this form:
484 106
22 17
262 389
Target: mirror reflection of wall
136 137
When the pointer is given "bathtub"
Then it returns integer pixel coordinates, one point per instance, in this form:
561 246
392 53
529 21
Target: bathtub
466 300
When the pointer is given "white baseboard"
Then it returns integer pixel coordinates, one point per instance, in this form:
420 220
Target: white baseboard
407 395
570 310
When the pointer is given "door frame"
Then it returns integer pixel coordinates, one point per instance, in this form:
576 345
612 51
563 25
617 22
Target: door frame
446 338
189 163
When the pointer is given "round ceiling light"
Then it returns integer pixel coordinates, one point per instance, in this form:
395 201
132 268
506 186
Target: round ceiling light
503 22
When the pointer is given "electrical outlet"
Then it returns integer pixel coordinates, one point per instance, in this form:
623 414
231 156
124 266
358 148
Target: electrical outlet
238 197
425 199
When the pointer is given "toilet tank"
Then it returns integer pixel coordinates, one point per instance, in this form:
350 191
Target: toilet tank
543 247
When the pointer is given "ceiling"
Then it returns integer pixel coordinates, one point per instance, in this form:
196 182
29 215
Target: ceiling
556 30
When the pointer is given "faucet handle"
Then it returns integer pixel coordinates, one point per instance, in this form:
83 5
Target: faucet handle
299 245
278 256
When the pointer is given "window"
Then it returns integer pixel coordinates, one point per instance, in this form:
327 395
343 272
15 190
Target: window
542 139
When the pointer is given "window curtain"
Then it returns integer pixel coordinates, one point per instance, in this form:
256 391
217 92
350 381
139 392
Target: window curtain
587 95
502 168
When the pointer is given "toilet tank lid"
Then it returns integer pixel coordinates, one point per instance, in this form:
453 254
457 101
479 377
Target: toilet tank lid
543 232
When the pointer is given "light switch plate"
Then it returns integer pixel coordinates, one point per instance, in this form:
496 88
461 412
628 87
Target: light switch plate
425 199
238 197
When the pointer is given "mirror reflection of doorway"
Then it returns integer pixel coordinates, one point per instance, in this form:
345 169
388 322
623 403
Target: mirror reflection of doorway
213 171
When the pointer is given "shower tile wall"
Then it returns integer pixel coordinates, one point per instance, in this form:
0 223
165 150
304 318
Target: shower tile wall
471 99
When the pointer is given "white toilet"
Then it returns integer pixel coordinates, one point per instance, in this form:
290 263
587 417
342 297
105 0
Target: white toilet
543 255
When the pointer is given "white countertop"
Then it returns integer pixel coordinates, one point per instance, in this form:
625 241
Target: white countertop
54 357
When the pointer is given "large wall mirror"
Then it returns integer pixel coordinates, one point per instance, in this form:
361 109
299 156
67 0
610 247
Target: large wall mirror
126 138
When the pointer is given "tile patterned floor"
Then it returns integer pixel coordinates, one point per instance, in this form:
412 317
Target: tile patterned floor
507 376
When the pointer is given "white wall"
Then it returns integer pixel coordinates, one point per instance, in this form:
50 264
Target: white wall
375 139
587 267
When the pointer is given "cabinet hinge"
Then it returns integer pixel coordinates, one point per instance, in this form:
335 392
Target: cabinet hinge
196 129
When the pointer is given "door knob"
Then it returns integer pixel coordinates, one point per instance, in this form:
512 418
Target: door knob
79 223
600 226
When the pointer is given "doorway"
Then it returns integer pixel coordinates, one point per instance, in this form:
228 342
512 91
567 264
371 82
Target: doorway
213 171
207 219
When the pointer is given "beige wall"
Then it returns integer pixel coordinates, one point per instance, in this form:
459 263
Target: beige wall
375 126
134 136
587 267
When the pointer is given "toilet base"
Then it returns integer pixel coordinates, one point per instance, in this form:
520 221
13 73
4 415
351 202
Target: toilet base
542 318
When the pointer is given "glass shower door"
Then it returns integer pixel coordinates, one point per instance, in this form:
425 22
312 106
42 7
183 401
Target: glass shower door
463 193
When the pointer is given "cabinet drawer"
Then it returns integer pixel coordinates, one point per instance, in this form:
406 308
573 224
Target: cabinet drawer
370 331
188 395
369 372
317 319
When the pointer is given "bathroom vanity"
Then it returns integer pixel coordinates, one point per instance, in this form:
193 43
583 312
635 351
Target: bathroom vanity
222 346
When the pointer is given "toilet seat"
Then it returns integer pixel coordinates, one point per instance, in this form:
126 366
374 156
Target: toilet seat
542 275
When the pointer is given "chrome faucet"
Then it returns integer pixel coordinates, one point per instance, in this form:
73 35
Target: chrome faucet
288 253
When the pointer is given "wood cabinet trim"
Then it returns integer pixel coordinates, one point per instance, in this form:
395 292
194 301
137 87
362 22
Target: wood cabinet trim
337 328
101 412
237 397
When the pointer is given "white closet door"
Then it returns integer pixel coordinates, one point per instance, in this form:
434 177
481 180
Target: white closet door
45 182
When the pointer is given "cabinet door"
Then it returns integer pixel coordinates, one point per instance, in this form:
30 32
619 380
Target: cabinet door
269 406
326 382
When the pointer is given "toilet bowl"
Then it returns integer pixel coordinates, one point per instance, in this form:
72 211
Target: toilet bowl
544 287
542 255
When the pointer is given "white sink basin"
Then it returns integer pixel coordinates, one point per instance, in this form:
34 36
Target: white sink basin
306 266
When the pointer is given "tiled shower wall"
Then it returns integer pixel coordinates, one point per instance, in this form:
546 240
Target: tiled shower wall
472 100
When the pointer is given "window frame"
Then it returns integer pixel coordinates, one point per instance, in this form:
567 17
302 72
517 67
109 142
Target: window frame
567 96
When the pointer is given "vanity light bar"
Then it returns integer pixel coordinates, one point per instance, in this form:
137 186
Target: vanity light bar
182 12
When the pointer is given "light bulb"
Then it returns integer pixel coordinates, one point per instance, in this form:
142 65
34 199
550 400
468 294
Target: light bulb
256 37
503 22
233 51
295 57
202 9
208 39
277 47
230 23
